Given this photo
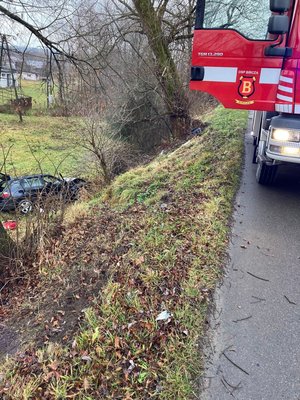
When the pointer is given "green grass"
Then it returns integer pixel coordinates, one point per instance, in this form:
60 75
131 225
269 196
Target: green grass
39 144
36 90
172 217
184 169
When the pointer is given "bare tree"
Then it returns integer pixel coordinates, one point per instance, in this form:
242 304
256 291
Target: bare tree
106 152
5 249
88 34
142 16
151 23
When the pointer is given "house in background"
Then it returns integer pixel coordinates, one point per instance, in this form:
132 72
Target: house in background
18 65
31 65
6 78
30 76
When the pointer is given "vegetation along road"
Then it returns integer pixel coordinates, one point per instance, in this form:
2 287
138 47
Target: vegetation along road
114 300
254 351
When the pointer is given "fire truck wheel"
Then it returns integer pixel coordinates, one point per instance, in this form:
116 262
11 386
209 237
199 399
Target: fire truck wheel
265 174
254 155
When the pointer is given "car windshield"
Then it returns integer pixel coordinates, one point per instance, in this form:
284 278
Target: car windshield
50 179
32 183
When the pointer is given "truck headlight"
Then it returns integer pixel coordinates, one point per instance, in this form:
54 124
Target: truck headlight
290 151
284 135
285 150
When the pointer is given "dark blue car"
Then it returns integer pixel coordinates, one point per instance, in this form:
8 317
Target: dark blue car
23 192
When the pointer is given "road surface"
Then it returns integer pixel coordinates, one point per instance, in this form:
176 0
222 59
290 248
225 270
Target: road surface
254 341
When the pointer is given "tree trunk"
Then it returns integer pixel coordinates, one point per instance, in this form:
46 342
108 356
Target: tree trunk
175 98
6 249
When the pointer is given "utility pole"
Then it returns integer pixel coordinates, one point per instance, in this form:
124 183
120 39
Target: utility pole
1 55
5 47
11 68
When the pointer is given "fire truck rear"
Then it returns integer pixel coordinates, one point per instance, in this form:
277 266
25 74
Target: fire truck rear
251 60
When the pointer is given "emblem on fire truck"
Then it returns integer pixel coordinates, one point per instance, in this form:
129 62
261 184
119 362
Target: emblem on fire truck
246 86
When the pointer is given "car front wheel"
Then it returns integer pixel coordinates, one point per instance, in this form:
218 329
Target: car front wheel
25 206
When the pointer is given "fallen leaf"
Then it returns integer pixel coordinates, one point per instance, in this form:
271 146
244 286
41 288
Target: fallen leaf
86 384
53 365
86 358
139 260
117 343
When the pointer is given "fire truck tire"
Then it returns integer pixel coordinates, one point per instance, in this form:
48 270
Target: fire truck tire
254 155
265 174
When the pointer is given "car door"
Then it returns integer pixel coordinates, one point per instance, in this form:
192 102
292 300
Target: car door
33 187
52 184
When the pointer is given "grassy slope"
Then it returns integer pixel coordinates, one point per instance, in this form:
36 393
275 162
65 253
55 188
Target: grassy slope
40 143
167 253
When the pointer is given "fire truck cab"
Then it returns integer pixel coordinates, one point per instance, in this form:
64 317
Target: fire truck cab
247 55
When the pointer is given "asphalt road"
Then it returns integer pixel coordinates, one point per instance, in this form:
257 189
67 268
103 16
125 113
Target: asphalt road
254 341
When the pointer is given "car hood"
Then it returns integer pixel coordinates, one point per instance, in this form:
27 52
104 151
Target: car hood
69 179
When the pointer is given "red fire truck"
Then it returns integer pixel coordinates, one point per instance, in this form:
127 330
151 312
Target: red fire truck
251 61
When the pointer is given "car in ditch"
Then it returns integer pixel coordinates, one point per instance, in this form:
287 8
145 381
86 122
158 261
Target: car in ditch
22 193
